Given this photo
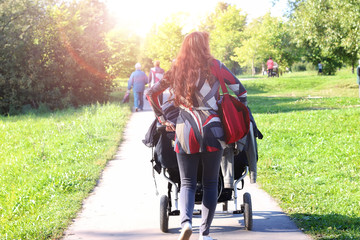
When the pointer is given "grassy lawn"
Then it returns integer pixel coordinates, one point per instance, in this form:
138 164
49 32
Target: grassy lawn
50 162
309 158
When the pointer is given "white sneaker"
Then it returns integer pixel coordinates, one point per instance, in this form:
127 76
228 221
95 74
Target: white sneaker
205 238
186 232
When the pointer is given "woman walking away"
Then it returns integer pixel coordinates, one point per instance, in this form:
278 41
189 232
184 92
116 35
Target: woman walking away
194 88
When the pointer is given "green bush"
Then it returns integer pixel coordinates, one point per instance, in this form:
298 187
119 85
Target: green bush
299 67
54 56
303 66
310 67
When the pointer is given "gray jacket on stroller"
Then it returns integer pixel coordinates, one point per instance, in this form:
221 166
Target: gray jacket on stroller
249 146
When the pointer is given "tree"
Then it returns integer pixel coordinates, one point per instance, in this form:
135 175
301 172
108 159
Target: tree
326 32
252 49
264 37
84 37
164 41
52 53
347 14
280 42
208 24
18 25
227 34
125 49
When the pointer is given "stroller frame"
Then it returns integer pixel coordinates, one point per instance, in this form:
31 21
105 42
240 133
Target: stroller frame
166 202
164 164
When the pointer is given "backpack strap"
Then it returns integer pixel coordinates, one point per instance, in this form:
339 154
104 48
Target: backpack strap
217 68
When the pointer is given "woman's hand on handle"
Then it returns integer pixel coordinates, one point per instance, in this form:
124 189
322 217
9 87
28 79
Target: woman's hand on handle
169 126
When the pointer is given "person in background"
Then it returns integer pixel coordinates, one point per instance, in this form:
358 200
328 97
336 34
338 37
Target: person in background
320 67
194 87
155 75
137 81
270 66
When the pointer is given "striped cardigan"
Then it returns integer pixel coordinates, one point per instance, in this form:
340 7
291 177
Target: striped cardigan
198 128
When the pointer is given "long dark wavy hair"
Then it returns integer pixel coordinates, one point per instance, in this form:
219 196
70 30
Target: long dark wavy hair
193 59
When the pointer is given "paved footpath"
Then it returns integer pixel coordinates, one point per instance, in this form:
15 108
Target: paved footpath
124 204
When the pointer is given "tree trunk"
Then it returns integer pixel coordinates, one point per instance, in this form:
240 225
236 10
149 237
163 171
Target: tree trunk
252 67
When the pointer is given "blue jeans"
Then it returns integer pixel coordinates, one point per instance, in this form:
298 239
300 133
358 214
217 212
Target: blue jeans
139 100
188 167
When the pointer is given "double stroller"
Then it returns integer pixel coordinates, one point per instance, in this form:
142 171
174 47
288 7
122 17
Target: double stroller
239 160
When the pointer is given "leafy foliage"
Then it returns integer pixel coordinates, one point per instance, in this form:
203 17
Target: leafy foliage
348 16
164 41
60 53
328 31
264 37
227 34
52 53
124 47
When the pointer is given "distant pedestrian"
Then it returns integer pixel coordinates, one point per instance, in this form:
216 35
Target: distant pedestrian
270 66
320 67
137 81
358 76
155 75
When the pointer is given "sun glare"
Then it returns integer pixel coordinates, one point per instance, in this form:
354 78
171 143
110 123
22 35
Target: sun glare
139 16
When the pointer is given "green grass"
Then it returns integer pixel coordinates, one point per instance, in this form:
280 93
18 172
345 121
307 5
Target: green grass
309 158
50 162
307 84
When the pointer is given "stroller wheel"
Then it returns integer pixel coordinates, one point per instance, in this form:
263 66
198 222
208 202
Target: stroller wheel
164 215
248 218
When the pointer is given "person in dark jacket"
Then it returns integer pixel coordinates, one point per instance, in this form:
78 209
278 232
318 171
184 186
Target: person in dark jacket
137 81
